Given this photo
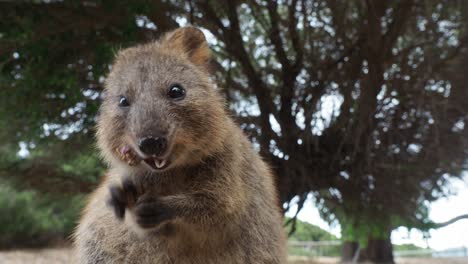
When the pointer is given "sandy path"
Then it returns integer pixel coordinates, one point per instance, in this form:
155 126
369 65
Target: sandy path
40 256
324 260
64 255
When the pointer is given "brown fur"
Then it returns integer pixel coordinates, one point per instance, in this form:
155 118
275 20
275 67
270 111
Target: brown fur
217 195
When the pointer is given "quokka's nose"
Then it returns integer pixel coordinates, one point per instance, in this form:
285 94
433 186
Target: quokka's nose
153 145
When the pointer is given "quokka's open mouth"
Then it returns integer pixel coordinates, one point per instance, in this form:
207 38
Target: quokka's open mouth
132 158
157 164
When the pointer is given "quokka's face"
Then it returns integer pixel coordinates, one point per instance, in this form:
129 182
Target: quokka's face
160 110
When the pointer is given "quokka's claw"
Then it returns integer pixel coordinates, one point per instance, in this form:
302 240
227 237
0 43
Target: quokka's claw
128 155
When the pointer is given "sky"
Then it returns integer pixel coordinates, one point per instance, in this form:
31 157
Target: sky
452 236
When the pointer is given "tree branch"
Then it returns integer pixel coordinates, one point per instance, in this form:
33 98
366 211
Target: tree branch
451 221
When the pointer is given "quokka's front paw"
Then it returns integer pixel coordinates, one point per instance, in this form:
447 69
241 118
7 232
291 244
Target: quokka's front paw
122 197
146 210
150 211
126 154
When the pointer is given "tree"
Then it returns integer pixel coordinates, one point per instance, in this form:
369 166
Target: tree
397 132
361 103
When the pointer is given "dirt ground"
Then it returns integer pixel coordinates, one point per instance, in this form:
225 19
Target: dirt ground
323 260
64 255
40 256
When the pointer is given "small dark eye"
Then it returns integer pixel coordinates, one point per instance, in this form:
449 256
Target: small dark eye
123 102
176 92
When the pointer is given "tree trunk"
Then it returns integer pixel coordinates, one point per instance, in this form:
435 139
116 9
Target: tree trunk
348 251
377 251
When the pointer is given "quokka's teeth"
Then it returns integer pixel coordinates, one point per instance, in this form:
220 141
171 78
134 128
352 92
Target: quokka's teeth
159 163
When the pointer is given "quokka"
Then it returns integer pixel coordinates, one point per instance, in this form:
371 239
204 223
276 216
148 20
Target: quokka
184 184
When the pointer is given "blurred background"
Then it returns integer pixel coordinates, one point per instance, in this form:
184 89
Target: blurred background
360 106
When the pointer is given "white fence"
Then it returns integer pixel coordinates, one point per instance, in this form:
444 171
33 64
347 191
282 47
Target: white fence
333 248
315 248
448 253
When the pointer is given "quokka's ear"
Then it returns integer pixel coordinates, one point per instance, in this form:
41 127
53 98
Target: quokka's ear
189 41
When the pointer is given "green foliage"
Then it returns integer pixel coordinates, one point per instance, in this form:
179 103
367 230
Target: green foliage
308 232
406 247
29 218
86 166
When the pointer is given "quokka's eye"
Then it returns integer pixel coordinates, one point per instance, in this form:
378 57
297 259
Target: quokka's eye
123 102
176 92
